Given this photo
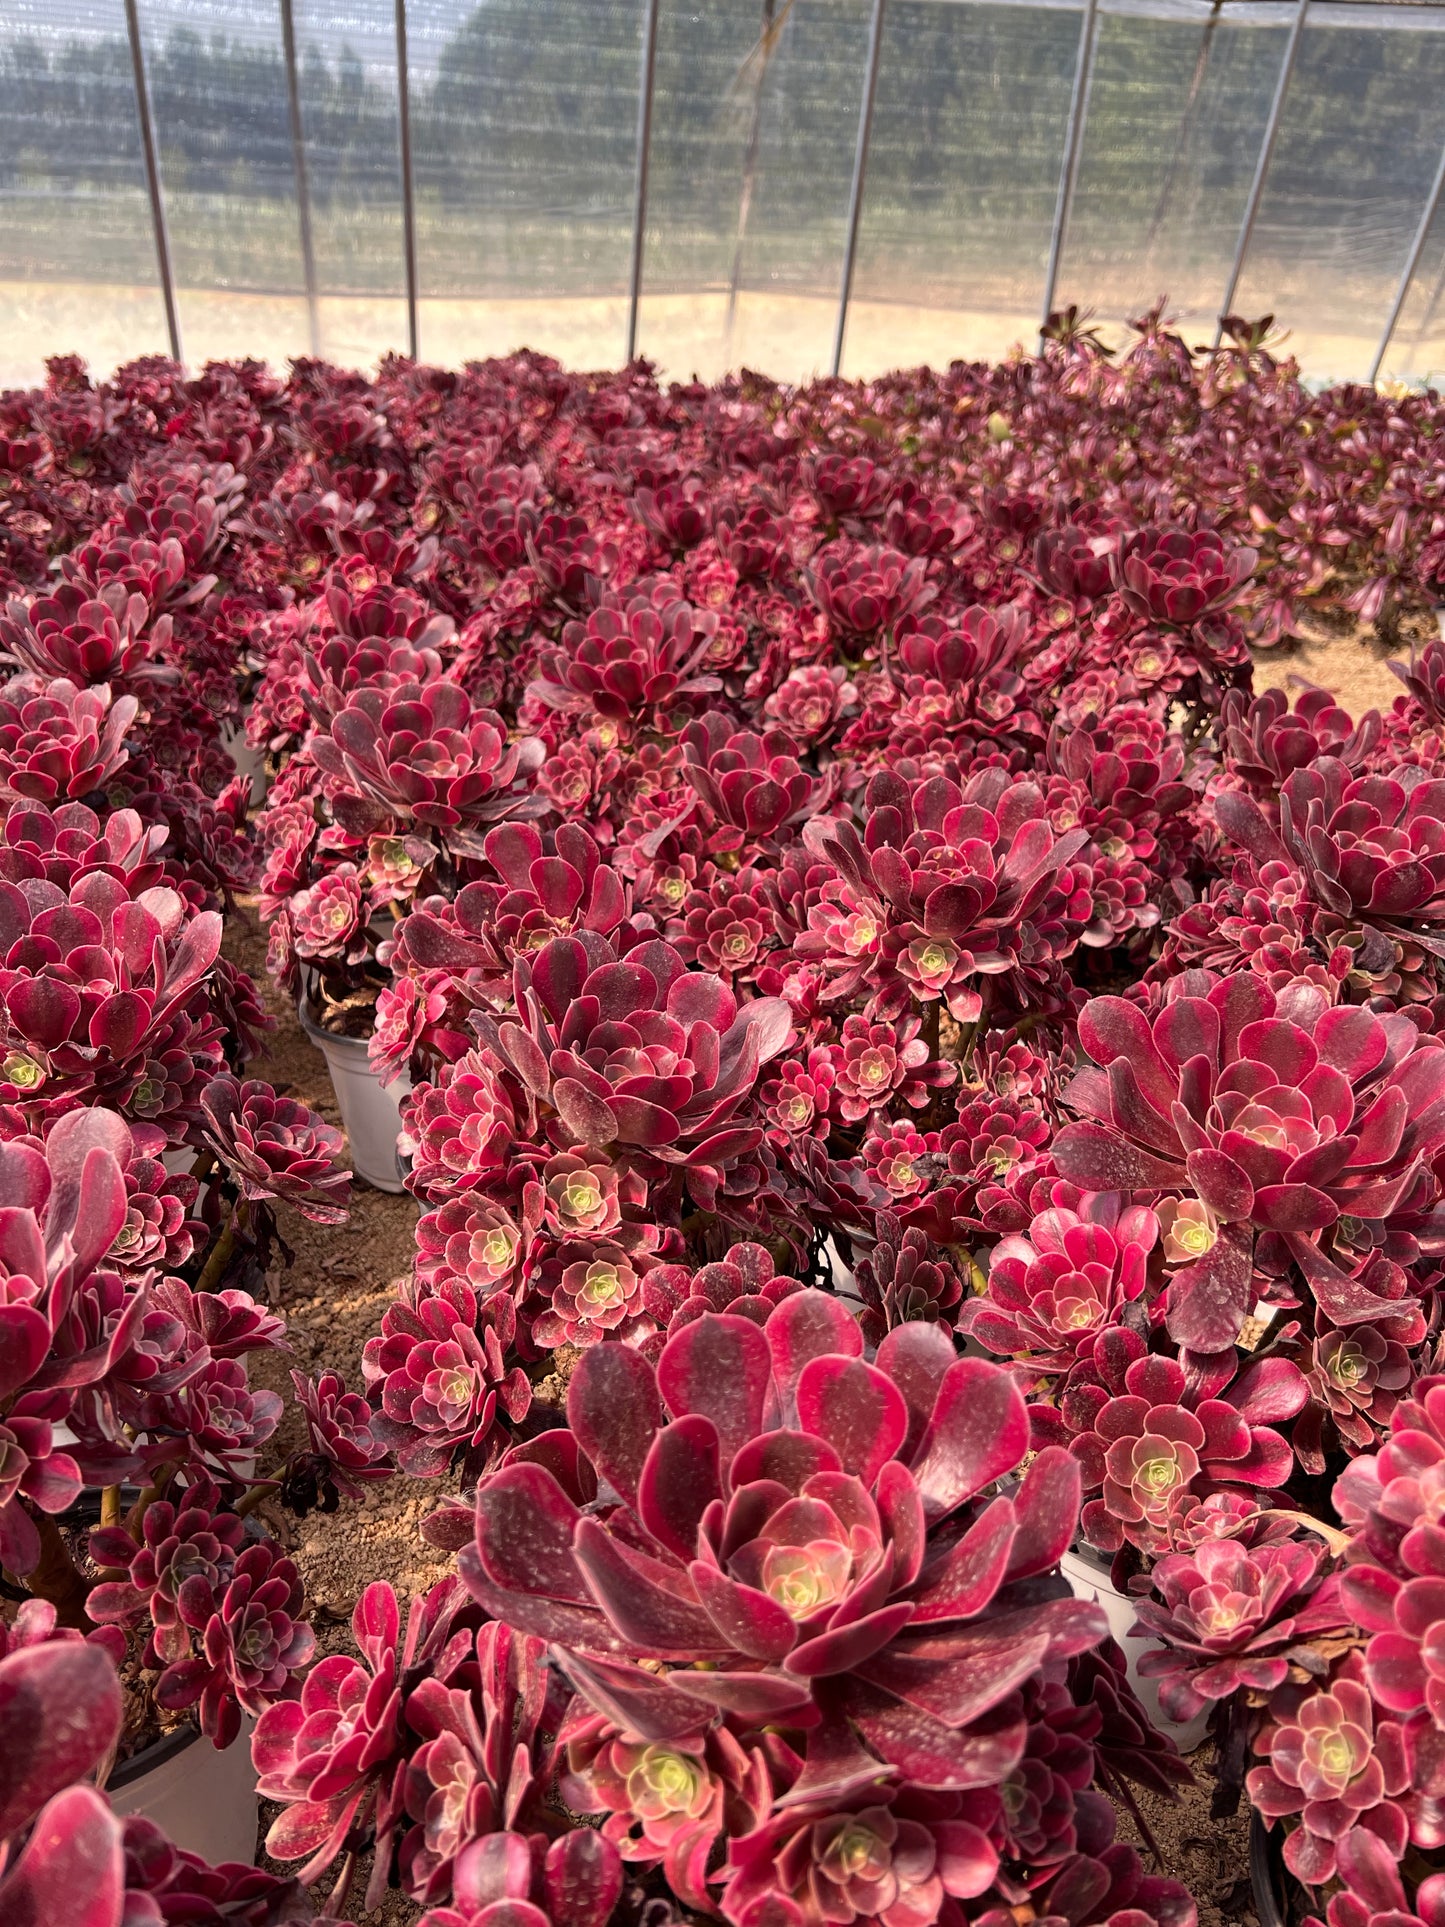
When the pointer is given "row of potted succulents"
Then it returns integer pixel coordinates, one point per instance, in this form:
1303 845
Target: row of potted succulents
151 1615
948 1079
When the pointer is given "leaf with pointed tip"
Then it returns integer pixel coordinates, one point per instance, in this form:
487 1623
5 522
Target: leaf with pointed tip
857 1409
719 1366
582 1878
978 1430
966 1579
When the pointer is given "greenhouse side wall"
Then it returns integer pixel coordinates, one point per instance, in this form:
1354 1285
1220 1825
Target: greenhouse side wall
278 204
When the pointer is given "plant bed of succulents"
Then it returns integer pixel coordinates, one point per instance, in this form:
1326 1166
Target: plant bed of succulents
930 1062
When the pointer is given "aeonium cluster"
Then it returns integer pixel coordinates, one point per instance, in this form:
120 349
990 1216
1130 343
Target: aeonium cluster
812 852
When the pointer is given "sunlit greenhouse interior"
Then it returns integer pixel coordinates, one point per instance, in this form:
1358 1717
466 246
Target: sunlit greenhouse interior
792 187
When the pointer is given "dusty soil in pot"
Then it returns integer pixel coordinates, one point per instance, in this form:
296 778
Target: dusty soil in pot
343 1278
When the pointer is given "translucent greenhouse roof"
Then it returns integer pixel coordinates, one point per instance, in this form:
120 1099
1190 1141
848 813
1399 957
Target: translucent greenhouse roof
784 184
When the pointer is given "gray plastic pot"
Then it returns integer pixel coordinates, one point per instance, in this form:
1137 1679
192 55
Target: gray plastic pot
1088 1578
204 1800
249 762
370 1110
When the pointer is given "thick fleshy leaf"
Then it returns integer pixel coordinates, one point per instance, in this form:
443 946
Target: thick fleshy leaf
979 1429
1046 1513
842 1648
916 1356
644 1706
808 1325
24 1339
1219 1183
928 1752
967 1579
72 1871
1099 1159
749 1620
680 1480
1208 1301
582 1878
754 1697
1110 1027
1343 1299
587 1117
43 1010
857 1409
788 1459
614 1410
901 1511
525 1528
651 1616
60 1713
1293 1207
719 1366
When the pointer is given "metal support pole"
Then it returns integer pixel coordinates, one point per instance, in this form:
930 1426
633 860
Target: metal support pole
298 164
1430 306
1417 248
1073 154
749 182
1261 166
860 169
153 178
1186 134
645 91
408 196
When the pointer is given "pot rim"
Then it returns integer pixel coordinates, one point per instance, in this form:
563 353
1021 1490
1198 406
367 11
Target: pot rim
325 1038
156 1754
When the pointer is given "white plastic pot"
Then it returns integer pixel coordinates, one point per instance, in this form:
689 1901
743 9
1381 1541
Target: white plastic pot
1088 1578
249 762
370 1110
203 1799
1440 619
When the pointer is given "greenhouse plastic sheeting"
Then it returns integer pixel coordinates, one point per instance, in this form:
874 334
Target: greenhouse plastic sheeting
524 117
219 105
347 91
963 172
281 182
1359 143
750 168
1176 112
74 214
